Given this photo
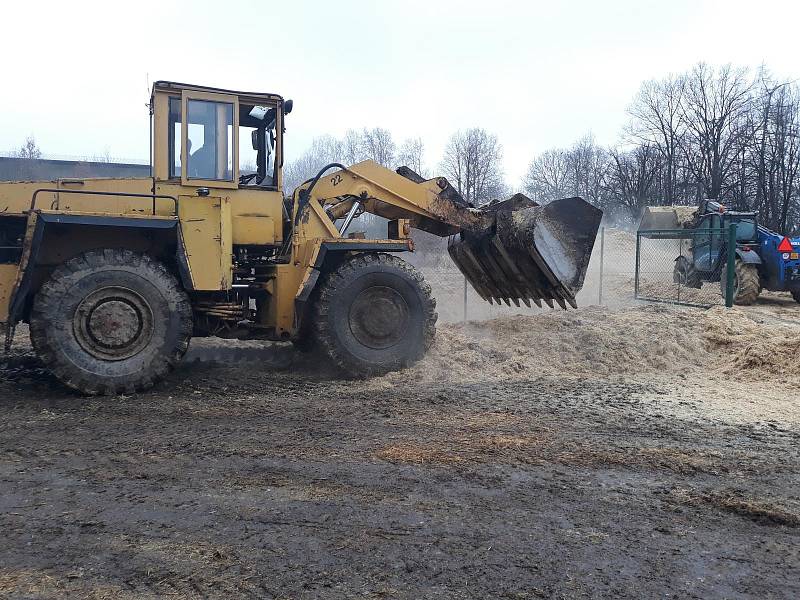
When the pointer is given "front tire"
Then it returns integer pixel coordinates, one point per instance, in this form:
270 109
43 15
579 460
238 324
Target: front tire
746 284
374 314
111 321
685 274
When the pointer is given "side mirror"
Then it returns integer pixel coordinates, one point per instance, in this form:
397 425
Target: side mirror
288 105
258 112
254 138
262 113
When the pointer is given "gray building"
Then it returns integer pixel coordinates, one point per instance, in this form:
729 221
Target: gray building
32 169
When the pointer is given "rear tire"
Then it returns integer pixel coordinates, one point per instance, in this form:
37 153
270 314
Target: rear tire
374 314
111 321
746 284
796 295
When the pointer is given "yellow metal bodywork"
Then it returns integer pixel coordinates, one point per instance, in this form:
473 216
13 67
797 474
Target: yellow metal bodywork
390 195
215 217
206 235
8 274
57 249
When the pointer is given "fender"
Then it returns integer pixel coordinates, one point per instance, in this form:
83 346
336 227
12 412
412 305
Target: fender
338 246
750 257
38 224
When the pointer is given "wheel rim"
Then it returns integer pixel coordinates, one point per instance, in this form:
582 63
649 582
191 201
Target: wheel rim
682 276
379 317
113 323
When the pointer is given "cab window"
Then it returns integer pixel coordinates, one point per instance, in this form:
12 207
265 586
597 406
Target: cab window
746 230
174 134
257 140
209 142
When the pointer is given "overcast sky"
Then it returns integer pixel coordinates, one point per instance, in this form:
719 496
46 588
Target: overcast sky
538 74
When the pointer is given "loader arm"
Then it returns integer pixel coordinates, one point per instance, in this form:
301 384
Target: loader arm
431 205
509 251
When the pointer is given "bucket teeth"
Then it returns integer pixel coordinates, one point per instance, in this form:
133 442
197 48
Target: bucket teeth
537 253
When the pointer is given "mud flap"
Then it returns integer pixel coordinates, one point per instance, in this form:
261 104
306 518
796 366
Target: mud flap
539 253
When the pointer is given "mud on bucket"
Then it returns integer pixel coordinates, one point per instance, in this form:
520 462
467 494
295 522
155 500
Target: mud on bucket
539 253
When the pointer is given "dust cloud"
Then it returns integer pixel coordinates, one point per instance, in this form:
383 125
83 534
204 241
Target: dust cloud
738 364
447 283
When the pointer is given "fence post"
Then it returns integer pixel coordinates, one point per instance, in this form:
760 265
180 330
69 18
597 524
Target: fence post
636 275
680 284
465 299
602 256
730 272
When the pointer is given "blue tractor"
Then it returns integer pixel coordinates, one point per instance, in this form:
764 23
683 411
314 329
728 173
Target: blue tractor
764 259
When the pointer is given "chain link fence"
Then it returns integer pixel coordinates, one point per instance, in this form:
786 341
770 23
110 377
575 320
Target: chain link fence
625 268
680 266
610 279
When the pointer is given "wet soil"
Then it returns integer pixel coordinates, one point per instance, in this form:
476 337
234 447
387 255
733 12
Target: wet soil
252 482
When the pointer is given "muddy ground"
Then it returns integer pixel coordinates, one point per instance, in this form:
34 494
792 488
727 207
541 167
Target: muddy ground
640 452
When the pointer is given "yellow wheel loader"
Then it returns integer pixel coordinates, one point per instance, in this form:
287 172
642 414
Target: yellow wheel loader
115 276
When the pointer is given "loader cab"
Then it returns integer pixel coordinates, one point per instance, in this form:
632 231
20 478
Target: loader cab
213 138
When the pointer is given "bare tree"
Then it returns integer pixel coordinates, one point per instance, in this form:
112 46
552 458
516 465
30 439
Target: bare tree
377 144
710 132
352 147
774 151
322 151
714 109
577 171
472 163
411 154
657 120
29 149
547 178
588 163
632 178
374 144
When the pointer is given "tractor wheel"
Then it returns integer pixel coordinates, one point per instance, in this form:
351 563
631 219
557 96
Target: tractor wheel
746 284
685 274
374 314
796 295
111 321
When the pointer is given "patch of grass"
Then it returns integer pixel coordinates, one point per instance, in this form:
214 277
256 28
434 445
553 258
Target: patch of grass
418 454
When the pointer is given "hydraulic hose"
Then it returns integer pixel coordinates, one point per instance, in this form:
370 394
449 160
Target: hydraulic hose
305 195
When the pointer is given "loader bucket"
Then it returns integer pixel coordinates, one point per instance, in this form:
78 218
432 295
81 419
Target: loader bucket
666 217
539 253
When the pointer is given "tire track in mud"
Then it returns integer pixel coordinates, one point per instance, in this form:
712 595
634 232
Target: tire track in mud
240 481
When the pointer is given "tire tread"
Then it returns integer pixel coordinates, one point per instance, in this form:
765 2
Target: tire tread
338 279
44 321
